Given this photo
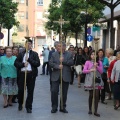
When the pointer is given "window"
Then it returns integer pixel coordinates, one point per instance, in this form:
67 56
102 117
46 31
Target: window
26 2
21 28
40 2
22 1
21 15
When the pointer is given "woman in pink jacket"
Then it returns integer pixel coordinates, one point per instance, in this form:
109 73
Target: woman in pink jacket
89 69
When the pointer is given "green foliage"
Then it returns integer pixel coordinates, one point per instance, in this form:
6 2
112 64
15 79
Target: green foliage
8 9
71 10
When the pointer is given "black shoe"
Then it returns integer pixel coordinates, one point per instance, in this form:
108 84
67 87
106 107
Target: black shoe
64 111
53 110
90 112
116 107
96 114
29 110
13 101
20 107
5 106
103 102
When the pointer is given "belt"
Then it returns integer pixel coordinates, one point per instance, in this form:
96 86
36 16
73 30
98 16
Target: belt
26 71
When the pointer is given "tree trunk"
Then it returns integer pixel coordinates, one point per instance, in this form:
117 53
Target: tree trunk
112 35
76 37
8 37
85 42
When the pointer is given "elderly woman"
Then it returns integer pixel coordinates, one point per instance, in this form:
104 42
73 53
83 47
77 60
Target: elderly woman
109 55
115 78
9 74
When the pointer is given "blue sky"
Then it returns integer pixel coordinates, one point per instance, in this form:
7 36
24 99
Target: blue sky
107 10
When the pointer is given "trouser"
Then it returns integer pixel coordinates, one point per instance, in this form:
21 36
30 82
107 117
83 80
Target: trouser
43 68
72 75
54 93
30 84
50 72
104 78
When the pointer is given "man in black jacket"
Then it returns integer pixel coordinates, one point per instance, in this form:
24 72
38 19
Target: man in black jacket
27 61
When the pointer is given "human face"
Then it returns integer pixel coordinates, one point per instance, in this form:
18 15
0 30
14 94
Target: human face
86 50
8 52
2 50
80 51
29 45
92 56
100 54
15 51
107 54
72 50
118 57
59 48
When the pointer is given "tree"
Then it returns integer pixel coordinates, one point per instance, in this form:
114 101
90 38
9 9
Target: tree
8 9
112 4
71 11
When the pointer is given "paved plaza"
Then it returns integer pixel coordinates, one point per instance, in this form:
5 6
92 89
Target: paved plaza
77 105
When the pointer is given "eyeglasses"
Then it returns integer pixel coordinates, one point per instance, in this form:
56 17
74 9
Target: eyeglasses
1 49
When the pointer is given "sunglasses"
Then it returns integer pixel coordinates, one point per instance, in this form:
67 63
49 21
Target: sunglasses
1 49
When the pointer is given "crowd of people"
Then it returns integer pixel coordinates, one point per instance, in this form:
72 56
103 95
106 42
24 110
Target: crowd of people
99 72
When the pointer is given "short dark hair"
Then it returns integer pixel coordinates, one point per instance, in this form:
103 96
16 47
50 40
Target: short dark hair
29 40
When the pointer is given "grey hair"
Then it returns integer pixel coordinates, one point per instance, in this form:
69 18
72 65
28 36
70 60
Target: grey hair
56 43
110 50
117 53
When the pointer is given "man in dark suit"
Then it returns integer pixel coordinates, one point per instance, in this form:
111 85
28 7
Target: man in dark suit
27 61
55 63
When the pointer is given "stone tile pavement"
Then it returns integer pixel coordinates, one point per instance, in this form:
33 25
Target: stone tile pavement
77 105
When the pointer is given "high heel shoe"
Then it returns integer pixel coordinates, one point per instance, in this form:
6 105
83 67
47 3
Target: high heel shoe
5 106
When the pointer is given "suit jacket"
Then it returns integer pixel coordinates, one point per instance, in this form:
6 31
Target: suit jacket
33 60
67 63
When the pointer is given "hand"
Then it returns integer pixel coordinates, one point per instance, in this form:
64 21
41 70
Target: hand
26 64
60 66
92 70
112 81
61 59
105 66
108 81
95 64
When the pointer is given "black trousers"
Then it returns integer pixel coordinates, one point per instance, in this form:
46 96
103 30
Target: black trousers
30 84
55 91
72 75
104 78
47 68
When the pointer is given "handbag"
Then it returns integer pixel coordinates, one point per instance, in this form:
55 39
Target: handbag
97 80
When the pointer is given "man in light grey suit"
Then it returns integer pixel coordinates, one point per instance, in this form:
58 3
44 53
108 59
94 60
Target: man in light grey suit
55 63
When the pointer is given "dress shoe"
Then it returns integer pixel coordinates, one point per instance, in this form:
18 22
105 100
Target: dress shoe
20 107
53 110
96 114
64 111
29 110
103 102
90 112
13 101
